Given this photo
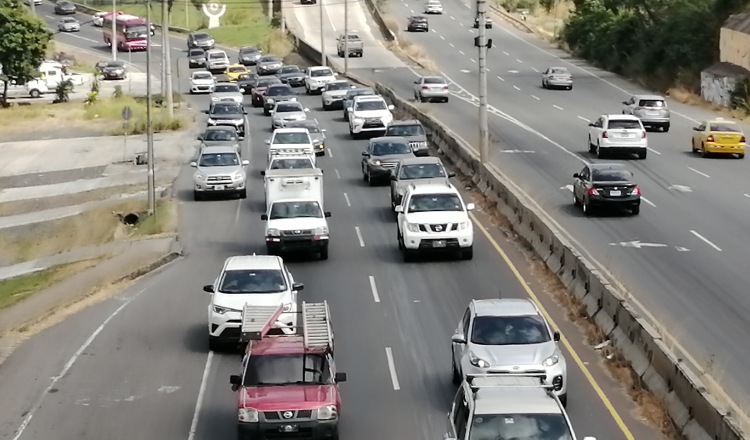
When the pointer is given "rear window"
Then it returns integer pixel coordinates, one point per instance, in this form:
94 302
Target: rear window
611 176
624 124
434 81
217 55
729 128
652 103
196 52
419 18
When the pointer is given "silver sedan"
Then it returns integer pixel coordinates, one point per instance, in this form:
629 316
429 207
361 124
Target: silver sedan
68 24
557 78
431 88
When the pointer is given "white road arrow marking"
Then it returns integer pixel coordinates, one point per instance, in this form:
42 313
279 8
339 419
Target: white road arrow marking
637 244
682 249
681 188
516 151
465 71
568 187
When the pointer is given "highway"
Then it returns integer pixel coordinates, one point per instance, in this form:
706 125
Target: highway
138 365
682 259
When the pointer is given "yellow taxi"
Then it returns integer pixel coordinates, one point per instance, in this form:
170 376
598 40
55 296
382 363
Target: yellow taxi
718 136
234 71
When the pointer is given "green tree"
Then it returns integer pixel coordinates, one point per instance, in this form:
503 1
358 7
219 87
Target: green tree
23 44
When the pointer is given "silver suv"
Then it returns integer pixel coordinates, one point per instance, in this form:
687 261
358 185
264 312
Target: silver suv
652 110
219 170
508 336
416 171
518 407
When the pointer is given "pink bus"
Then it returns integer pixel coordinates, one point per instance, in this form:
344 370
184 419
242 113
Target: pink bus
130 32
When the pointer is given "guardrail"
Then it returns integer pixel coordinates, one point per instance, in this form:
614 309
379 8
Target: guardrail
694 411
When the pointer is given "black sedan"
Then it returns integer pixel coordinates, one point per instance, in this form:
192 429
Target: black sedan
229 114
65 7
606 185
277 93
292 75
249 55
113 70
418 23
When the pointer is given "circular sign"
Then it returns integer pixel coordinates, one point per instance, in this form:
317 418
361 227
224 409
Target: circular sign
214 7
127 113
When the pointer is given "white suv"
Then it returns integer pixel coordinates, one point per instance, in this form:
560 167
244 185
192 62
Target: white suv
434 218
261 280
369 114
624 134
317 78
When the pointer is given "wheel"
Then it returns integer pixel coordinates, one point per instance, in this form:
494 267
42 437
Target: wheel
324 253
592 147
741 155
570 87
370 180
586 208
456 376
642 154
665 128
307 90
407 255
704 153
243 194
544 84
636 210
346 116
34 93
364 174
446 99
563 400
214 344
599 152
692 146
576 202
468 253
325 107
197 196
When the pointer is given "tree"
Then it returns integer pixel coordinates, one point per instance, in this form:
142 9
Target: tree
23 44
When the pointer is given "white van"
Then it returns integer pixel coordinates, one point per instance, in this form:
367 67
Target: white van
216 60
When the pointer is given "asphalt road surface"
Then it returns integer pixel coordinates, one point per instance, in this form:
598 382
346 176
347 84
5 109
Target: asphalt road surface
138 366
682 259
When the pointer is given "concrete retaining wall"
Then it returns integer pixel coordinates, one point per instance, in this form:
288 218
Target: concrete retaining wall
375 12
694 411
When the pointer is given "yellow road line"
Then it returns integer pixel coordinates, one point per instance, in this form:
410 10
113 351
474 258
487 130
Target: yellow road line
607 403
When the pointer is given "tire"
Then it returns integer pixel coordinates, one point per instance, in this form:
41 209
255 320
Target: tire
642 154
398 239
370 181
445 100
544 84
468 253
587 211
741 155
364 175
456 379
34 93
243 194
576 202
307 90
324 253
326 107
692 146
570 87
563 400
407 255
665 128
599 152
197 196
636 210
214 344
704 153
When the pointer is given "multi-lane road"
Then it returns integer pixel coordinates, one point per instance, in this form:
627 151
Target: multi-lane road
682 259
138 366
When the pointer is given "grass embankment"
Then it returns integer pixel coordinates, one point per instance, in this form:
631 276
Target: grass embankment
105 113
244 23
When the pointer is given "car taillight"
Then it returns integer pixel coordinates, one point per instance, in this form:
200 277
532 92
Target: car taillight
604 135
635 192
742 140
446 88
593 192
425 88
644 134
710 138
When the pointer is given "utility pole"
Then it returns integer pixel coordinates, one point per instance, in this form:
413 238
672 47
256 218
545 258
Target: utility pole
167 57
163 67
270 10
33 8
114 38
484 138
346 37
322 35
149 126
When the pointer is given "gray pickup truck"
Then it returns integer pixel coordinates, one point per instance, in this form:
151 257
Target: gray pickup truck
355 45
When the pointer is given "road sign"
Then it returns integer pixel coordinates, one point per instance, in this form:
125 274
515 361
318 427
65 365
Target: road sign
127 113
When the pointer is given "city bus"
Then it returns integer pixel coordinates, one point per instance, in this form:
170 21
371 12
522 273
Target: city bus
130 30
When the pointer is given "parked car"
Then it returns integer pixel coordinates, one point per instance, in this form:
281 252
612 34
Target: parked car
64 7
114 70
68 24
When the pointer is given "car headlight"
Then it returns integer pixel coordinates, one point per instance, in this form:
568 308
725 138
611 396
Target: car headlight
412 227
214 98
318 142
222 310
211 121
288 307
328 412
239 175
377 162
552 360
248 415
238 121
321 230
463 225
272 232
358 121
270 100
478 362
199 176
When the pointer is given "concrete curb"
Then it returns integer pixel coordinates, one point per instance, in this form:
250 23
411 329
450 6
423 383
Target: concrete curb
696 413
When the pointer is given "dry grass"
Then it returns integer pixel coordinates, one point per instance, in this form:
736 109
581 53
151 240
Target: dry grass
407 48
163 222
34 205
546 23
687 97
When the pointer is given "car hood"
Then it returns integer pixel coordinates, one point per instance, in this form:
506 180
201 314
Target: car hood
326 79
278 98
202 81
335 92
112 69
269 63
221 144
401 185
419 138
391 157
292 224
218 171
281 398
224 117
514 355
292 74
437 217
227 94
372 113
250 56
290 115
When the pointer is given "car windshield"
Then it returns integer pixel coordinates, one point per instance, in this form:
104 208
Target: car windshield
291 138
435 202
289 369
200 37
279 91
202 76
611 176
69 20
559 71
248 50
387 148
217 55
422 171
371 105
115 65
226 109
219 160
652 103
270 60
727 128
359 92
429 80
623 124
253 281
196 52
227 88
422 19
338 86
291 164
519 427
290 69
509 330
321 72
236 69
405 130
295 210
220 135
288 107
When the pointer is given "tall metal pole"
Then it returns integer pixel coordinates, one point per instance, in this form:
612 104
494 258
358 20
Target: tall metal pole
33 8
346 37
163 56
322 35
484 138
114 38
167 58
149 127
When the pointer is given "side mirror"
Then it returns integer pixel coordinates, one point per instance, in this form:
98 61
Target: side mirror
451 174
470 206
208 288
204 111
591 124
391 107
576 176
696 129
399 208
323 130
307 110
245 163
327 214
365 154
264 217
263 173
235 379
199 137
589 438
556 336
339 377
268 141
393 178
458 338
298 286
416 82
625 102
193 164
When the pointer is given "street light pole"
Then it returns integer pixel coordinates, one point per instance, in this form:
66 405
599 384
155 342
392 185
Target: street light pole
483 123
322 35
167 58
149 127
346 37
114 38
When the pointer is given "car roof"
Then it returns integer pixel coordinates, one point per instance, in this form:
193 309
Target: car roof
421 160
434 188
653 97
379 139
369 98
405 122
203 72
514 400
504 307
218 149
242 262
200 34
435 77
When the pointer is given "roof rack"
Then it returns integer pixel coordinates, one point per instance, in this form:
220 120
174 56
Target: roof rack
508 380
257 321
316 322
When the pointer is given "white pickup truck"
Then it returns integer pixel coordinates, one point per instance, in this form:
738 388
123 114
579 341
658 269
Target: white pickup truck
295 219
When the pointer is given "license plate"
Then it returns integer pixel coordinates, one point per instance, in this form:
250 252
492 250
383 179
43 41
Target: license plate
615 193
652 113
219 187
438 243
288 428
627 135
